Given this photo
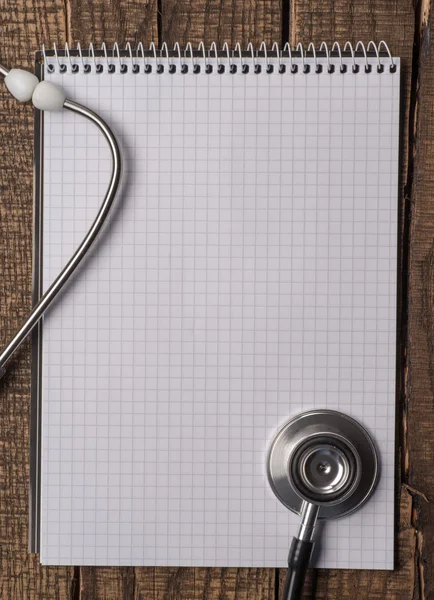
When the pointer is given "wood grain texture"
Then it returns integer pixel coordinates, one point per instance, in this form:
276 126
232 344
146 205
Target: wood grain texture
420 409
225 21
176 584
24 26
112 21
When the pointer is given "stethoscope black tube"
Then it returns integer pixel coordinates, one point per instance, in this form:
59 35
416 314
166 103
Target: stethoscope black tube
300 552
298 562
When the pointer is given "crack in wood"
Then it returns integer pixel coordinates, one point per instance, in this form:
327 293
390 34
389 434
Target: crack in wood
68 28
414 492
420 562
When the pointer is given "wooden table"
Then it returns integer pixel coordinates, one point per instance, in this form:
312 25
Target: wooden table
25 25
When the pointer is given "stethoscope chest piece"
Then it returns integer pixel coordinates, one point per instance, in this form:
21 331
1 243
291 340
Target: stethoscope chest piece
325 458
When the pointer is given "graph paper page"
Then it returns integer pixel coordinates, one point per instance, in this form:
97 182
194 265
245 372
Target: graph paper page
247 273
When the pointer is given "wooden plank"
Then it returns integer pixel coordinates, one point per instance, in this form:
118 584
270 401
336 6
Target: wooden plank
420 410
107 583
25 26
207 584
112 21
225 21
125 583
342 20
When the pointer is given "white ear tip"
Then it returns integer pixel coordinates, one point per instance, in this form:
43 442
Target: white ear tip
21 84
48 96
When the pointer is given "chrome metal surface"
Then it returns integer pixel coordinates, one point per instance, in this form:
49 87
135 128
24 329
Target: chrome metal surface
323 457
309 516
3 71
35 404
51 293
324 469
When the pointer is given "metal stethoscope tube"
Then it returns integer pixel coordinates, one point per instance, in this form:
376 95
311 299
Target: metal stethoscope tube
51 293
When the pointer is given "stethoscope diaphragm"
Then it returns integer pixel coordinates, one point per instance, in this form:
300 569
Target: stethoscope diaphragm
324 457
325 469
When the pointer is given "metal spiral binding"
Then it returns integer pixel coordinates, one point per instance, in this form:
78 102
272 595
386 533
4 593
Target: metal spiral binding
261 60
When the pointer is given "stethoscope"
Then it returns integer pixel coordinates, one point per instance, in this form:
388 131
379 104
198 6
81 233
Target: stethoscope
322 464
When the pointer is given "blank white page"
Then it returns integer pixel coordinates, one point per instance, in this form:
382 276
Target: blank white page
248 273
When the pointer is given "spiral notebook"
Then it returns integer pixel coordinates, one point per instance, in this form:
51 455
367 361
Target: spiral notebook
248 273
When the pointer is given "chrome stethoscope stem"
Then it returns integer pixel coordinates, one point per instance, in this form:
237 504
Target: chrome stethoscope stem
51 293
309 516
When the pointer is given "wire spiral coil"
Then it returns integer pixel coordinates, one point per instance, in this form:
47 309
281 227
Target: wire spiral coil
189 60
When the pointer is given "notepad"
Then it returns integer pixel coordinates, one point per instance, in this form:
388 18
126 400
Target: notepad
248 273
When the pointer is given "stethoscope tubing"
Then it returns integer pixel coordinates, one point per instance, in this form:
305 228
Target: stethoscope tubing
103 212
300 553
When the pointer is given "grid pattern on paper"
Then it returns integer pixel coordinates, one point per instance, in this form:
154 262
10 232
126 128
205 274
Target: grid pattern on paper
248 273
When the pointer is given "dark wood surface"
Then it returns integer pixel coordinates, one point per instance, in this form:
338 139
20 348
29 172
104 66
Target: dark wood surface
24 26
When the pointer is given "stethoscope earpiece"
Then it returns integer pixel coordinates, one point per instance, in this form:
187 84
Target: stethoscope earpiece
25 86
321 464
